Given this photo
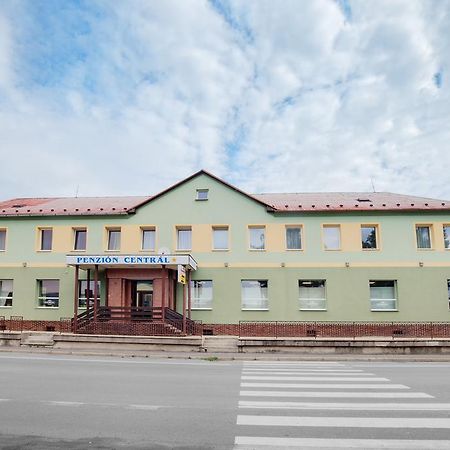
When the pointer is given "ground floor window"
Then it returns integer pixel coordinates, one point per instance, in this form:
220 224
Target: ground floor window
448 290
83 292
383 295
48 293
254 294
312 295
202 294
6 292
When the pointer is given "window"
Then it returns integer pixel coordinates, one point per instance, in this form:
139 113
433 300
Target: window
312 295
369 237
446 229
45 239
257 238
114 239
48 293
184 238
80 238
6 292
294 238
254 294
423 235
202 294
2 240
220 238
383 295
448 290
82 292
148 239
202 194
332 237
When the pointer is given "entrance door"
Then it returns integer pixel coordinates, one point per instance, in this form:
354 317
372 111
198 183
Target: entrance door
142 300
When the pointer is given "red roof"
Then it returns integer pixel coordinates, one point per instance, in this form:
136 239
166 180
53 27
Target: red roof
277 203
70 206
351 201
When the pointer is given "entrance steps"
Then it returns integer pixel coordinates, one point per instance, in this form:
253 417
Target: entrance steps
130 328
220 344
37 339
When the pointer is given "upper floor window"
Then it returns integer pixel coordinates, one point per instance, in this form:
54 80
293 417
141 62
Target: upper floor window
48 293
423 236
446 229
114 239
294 237
254 294
202 294
202 194
448 290
2 240
80 238
312 295
383 295
45 238
331 237
148 239
220 238
6 292
257 238
184 238
369 237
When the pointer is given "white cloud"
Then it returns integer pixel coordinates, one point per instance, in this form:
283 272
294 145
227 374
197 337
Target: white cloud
273 96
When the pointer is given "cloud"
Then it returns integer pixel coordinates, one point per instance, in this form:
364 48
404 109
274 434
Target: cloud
129 97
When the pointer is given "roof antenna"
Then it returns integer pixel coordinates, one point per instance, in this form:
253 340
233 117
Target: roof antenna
76 191
373 184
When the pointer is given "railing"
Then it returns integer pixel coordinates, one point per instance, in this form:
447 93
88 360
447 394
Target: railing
353 330
175 319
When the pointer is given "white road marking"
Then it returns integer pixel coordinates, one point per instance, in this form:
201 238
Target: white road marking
335 394
250 442
300 378
324 386
346 406
304 373
61 403
303 369
144 407
348 422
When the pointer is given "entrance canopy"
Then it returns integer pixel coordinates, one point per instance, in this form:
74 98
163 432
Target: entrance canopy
131 261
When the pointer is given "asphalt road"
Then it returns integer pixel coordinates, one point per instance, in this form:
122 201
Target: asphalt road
52 402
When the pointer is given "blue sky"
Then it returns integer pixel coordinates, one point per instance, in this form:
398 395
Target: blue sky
128 97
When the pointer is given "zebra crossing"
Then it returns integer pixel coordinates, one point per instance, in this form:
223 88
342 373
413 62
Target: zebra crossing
321 404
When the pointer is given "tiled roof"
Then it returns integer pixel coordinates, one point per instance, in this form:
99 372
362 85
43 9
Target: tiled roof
351 201
70 206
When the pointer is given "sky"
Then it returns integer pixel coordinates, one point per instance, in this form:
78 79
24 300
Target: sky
127 97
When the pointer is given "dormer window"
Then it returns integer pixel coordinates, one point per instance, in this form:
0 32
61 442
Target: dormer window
202 194
364 200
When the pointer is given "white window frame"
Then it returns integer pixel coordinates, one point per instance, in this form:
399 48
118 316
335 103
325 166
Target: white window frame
303 307
4 230
202 195
110 230
294 227
143 231
41 239
377 234
220 228
80 297
181 229
444 226
75 231
198 303
264 306
256 227
430 234
4 299
329 226
372 300
44 297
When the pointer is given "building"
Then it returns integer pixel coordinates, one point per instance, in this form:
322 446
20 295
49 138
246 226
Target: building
366 257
